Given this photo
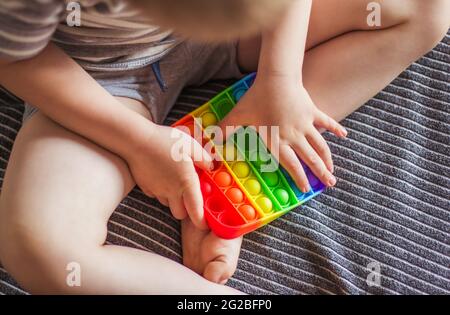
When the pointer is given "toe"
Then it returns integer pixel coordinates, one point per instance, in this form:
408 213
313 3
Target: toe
219 271
191 242
209 255
220 257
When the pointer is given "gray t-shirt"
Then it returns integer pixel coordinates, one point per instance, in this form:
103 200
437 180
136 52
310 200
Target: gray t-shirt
112 34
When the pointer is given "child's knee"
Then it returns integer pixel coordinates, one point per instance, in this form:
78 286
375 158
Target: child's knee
42 257
430 22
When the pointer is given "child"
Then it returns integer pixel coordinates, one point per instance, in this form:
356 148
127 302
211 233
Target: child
100 90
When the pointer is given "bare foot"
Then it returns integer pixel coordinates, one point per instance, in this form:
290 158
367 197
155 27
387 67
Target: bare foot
209 255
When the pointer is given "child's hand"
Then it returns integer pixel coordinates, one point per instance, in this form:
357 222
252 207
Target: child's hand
174 183
284 103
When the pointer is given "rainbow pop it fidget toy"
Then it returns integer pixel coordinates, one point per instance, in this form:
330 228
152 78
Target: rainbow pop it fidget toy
243 192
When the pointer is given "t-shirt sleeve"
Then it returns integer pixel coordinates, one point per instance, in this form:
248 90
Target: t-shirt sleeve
26 26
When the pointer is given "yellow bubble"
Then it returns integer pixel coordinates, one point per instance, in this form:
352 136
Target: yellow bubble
253 186
265 204
208 119
229 152
241 169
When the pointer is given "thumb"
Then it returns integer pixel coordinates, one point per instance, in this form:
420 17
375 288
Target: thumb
201 157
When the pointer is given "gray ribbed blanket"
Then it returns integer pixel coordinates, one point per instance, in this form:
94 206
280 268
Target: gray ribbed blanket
390 209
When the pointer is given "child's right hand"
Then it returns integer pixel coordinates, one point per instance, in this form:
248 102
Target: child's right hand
174 183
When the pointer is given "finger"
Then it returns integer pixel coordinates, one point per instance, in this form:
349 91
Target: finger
193 202
176 205
309 156
200 156
163 201
325 121
148 192
293 166
323 150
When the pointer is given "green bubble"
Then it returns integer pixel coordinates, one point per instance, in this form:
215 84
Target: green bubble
282 196
271 179
258 158
254 159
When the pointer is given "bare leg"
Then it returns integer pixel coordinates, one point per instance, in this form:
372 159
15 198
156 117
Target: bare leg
210 256
59 191
347 62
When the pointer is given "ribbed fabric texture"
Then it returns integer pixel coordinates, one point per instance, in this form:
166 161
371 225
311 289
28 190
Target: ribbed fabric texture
390 206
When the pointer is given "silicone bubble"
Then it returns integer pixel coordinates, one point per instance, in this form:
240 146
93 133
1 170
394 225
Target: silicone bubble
206 188
248 212
231 218
223 179
214 204
252 186
250 79
235 195
222 105
238 94
265 204
271 178
229 152
259 159
282 196
241 169
208 119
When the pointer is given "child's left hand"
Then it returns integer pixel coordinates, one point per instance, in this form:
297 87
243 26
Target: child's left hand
285 103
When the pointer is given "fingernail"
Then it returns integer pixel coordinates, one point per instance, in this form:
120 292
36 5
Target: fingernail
332 181
344 132
305 189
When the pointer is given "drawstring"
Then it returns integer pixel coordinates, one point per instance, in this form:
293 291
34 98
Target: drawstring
157 72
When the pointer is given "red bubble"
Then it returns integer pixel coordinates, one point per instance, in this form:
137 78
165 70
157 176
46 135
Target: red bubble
206 188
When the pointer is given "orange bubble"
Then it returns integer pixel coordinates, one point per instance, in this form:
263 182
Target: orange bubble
235 195
248 212
223 179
